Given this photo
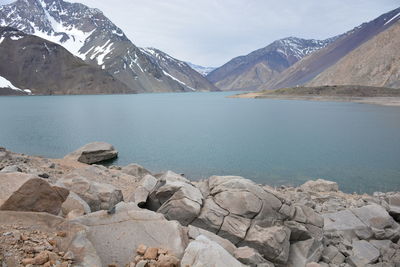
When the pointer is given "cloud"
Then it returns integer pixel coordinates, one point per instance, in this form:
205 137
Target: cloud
211 32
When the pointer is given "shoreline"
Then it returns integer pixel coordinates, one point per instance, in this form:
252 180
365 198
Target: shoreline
382 101
129 216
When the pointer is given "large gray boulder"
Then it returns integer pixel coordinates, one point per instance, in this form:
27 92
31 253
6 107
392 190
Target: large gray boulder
272 242
320 185
176 198
204 252
116 237
135 170
251 257
365 252
380 222
25 192
346 224
394 205
303 252
98 196
93 153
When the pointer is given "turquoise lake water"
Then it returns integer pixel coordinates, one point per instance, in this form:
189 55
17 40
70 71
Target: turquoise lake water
201 134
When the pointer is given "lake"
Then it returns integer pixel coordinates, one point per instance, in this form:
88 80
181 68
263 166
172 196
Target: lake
202 134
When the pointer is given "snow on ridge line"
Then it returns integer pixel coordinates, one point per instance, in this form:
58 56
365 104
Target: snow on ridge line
172 77
393 18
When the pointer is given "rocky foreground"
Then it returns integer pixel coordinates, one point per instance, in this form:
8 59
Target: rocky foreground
71 212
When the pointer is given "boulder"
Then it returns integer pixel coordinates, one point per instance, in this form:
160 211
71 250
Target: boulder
143 189
272 242
394 205
75 202
194 232
331 254
364 251
24 192
135 170
74 237
12 168
211 216
176 198
234 228
320 185
303 252
250 257
116 237
380 222
345 224
204 252
97 195
93 153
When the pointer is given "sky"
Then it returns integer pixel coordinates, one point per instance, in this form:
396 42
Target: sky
211 32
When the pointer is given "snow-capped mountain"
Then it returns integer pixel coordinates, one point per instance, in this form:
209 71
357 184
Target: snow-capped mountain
91 36
30 64
250 71
200 69
179 70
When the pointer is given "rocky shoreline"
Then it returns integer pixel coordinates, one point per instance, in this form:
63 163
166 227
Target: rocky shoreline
73 212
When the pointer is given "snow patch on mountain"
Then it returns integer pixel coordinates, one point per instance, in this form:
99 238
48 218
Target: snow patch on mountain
4 83
175 79
200 69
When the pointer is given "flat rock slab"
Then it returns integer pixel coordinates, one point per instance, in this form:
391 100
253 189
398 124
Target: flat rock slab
93 153
25 192
116 237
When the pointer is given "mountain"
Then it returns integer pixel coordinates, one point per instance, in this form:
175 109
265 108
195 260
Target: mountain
88 34
42 67
311 66
200 69
250 71
374 63
179 71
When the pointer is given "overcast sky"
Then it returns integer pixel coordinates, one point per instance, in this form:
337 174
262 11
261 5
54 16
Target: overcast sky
211 32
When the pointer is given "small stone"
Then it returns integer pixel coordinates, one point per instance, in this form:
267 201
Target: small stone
141 249
41 258
68 256
47 264
141 263
61 234
28 261
151 254
112 265
162 251
167 261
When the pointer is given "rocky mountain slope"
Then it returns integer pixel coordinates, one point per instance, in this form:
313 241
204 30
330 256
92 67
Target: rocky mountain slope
88 34
91 215
374 63
179 71
316 63
41 67
250 71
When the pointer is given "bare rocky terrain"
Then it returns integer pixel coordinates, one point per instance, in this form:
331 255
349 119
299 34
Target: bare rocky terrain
63 212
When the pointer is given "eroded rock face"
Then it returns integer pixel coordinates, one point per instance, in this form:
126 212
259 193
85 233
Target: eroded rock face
93 153
24 192
117 236
204 252
97 195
